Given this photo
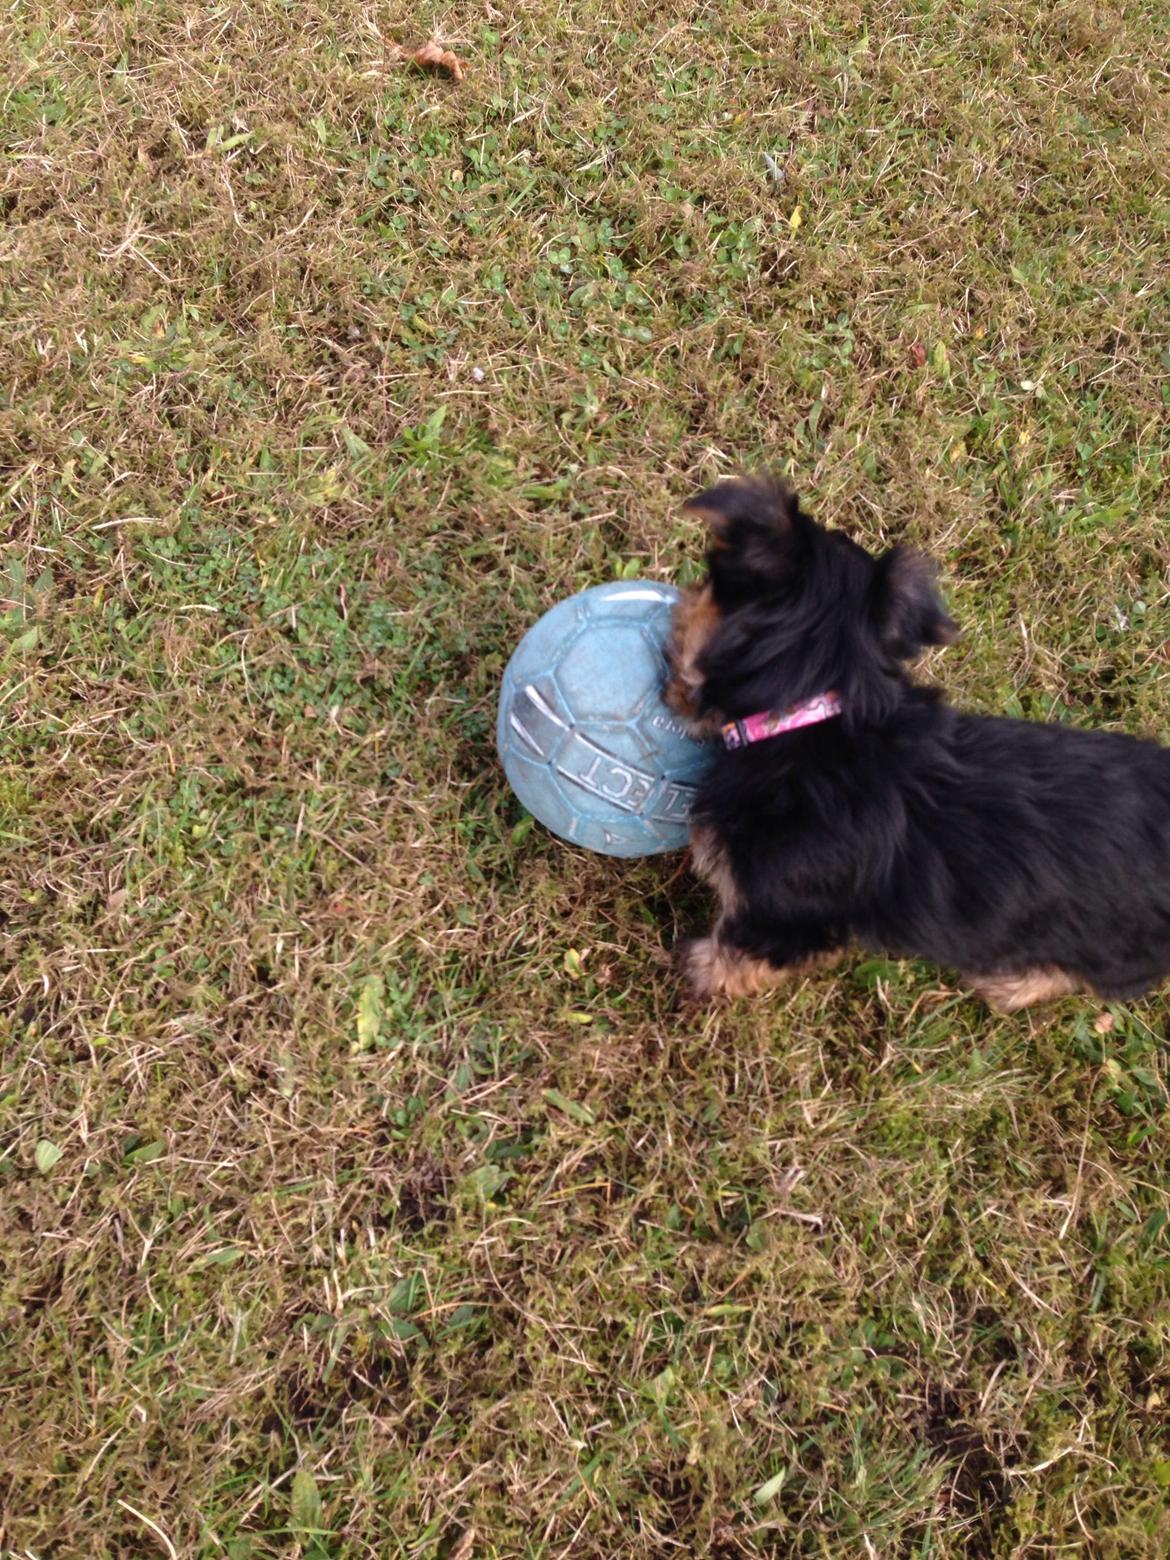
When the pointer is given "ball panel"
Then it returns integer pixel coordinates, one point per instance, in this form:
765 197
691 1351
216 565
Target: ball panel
672 806
664 734
604 671
596 766
530 781
538 723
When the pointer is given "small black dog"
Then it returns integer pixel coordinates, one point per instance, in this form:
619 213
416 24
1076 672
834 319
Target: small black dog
846 805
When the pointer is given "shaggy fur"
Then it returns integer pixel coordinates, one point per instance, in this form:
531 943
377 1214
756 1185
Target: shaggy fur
1033 858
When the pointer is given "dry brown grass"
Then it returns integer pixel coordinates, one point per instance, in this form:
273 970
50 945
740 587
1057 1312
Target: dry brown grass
366 1194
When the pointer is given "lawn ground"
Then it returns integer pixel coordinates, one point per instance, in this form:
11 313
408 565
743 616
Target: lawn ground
366 1195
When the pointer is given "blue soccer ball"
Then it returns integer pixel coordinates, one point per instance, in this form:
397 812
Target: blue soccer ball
586 742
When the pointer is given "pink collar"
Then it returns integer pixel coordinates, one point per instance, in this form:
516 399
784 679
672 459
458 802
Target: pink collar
770 723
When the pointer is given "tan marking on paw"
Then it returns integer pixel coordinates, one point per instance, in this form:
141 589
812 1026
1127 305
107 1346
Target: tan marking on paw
713 967
1008 993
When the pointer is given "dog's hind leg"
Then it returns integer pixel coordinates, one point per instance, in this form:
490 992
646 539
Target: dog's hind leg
1010 992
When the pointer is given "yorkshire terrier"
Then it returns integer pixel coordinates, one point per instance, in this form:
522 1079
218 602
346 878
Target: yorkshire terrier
848 806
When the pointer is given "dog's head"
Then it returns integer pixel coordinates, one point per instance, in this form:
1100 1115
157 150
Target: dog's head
790 610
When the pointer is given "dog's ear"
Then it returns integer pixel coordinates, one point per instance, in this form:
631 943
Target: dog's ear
908 607
754 522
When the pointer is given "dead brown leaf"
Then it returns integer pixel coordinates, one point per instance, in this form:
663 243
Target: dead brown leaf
462 1550
432 56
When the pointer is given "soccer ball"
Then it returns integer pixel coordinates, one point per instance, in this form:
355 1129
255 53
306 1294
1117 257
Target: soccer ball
586 742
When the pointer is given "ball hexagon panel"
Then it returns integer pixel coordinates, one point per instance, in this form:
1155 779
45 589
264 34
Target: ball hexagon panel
605 664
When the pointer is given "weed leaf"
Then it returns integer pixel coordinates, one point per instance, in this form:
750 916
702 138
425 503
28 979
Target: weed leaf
369 1014
305 1503
46 1155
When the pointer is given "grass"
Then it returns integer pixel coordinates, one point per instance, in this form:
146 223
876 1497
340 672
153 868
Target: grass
365 1193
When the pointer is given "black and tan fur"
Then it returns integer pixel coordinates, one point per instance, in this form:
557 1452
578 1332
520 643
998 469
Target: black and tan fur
1033 858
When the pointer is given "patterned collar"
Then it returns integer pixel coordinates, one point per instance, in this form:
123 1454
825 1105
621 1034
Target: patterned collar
770 723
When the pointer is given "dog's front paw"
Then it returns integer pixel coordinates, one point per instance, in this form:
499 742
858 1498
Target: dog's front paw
712 967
